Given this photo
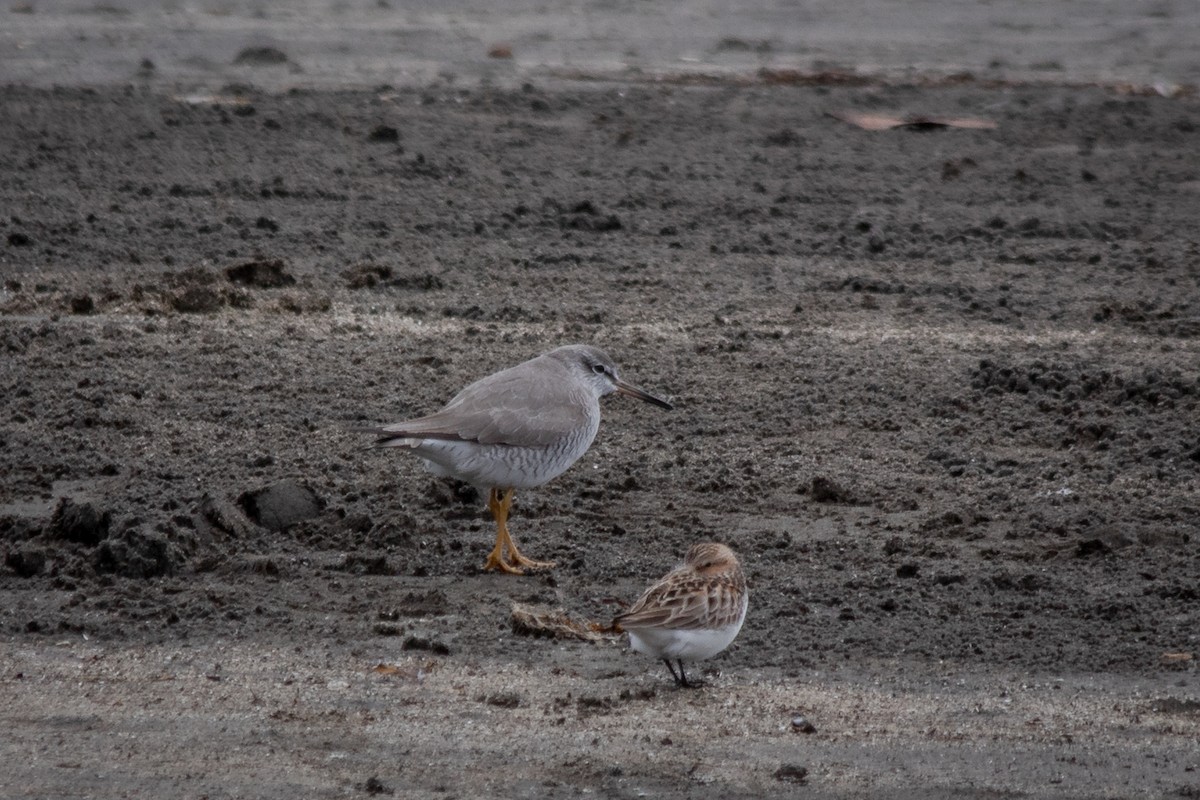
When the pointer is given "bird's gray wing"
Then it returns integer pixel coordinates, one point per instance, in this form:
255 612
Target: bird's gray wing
502 409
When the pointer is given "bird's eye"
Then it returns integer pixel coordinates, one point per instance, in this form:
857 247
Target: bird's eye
598 369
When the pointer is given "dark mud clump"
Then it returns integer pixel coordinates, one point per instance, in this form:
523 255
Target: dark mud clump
260 274
133 553
281 505
261 56
82 523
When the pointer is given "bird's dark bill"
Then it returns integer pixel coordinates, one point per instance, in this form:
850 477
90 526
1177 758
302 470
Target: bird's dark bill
633 391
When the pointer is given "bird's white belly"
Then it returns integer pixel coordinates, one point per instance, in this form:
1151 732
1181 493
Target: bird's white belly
687 645
501 466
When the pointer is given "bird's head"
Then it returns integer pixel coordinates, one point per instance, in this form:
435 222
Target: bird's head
600 372
708 558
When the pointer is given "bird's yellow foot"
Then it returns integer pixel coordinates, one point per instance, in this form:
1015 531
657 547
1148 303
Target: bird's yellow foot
516 559
495 561
515 564
529 563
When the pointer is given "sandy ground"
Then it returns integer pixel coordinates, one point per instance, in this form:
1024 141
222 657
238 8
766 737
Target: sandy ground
251 719
937 388
340 44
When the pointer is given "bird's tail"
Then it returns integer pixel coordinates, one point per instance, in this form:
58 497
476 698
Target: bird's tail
386 438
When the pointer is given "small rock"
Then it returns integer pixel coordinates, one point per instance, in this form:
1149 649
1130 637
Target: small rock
591 223
502 700
366 275
383 133
824 490
422 643
261 56
783 138
27 562
791 773
260 274
800 724
376 786
197 300
387 629
305 303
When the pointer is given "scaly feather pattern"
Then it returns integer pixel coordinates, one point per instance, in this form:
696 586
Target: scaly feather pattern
694 612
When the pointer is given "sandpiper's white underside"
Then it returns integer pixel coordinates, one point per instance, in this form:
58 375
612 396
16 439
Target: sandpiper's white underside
690 644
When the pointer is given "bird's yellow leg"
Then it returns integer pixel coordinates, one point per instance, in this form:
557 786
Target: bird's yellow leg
516 562
514 555
499 509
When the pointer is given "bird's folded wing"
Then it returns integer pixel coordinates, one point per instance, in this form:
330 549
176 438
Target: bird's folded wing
676 605
501 410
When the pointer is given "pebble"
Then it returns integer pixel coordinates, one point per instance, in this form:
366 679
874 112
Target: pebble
800 724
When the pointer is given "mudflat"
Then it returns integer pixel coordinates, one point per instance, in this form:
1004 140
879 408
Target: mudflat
936 386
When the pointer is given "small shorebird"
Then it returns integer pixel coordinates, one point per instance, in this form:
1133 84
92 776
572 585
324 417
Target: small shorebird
693 613
516 429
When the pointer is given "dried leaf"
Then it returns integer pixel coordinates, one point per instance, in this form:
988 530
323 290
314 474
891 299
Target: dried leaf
553 623
412 671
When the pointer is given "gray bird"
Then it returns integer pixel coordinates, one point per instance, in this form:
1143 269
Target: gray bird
516 429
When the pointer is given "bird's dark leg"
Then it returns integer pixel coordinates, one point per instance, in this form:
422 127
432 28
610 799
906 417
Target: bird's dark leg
667 661
683 680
